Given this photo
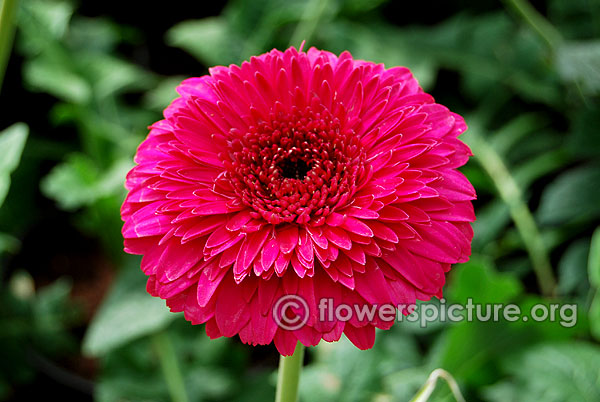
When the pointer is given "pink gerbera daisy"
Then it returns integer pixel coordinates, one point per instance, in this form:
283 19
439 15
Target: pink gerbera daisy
299 173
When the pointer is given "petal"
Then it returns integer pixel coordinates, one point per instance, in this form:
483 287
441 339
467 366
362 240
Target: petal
232 312
338 237
207 286
288 238
363 337
357 226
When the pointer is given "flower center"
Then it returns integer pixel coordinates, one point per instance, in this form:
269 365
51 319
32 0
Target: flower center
296 167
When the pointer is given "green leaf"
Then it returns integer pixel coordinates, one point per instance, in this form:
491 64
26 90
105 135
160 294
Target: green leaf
594 259
126 134
360 6
111 182
12 143
94 34
42 22
558 372
162 94
208 39
594 275
110 75
572 197
579 62
584 137
492 219
77 182
52 302
594 316
572 18
58 79
126 314
569 319
478 279
513 133
540 165
572 272
53 15
53 315
71 183
468 349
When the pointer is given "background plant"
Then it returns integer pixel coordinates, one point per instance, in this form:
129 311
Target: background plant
87 80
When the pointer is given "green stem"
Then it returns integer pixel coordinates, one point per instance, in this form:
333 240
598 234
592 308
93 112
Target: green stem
308 22
289 375
7 32
511 194
539 24
170 367
429 386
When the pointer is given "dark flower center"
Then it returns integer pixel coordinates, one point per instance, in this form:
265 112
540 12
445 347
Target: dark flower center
296 167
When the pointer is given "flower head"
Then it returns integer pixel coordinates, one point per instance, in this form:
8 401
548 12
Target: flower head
299 173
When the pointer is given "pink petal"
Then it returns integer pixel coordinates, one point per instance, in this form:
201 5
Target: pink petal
362 213
356 226
232 312
372 285
270 251
235 222
305 246
207 287
146 222
288 238
250 248
338 237
285 342
281 263
363 337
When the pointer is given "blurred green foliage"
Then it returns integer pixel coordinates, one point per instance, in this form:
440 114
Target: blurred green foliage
530 94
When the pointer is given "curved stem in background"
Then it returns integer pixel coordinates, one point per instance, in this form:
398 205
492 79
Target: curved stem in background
288 376
429 386
308 22
545 30
170 367
537 21
7 32
511 194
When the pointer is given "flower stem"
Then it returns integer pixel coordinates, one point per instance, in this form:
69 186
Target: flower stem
170 367
511 194
429 386
7 31
289 375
